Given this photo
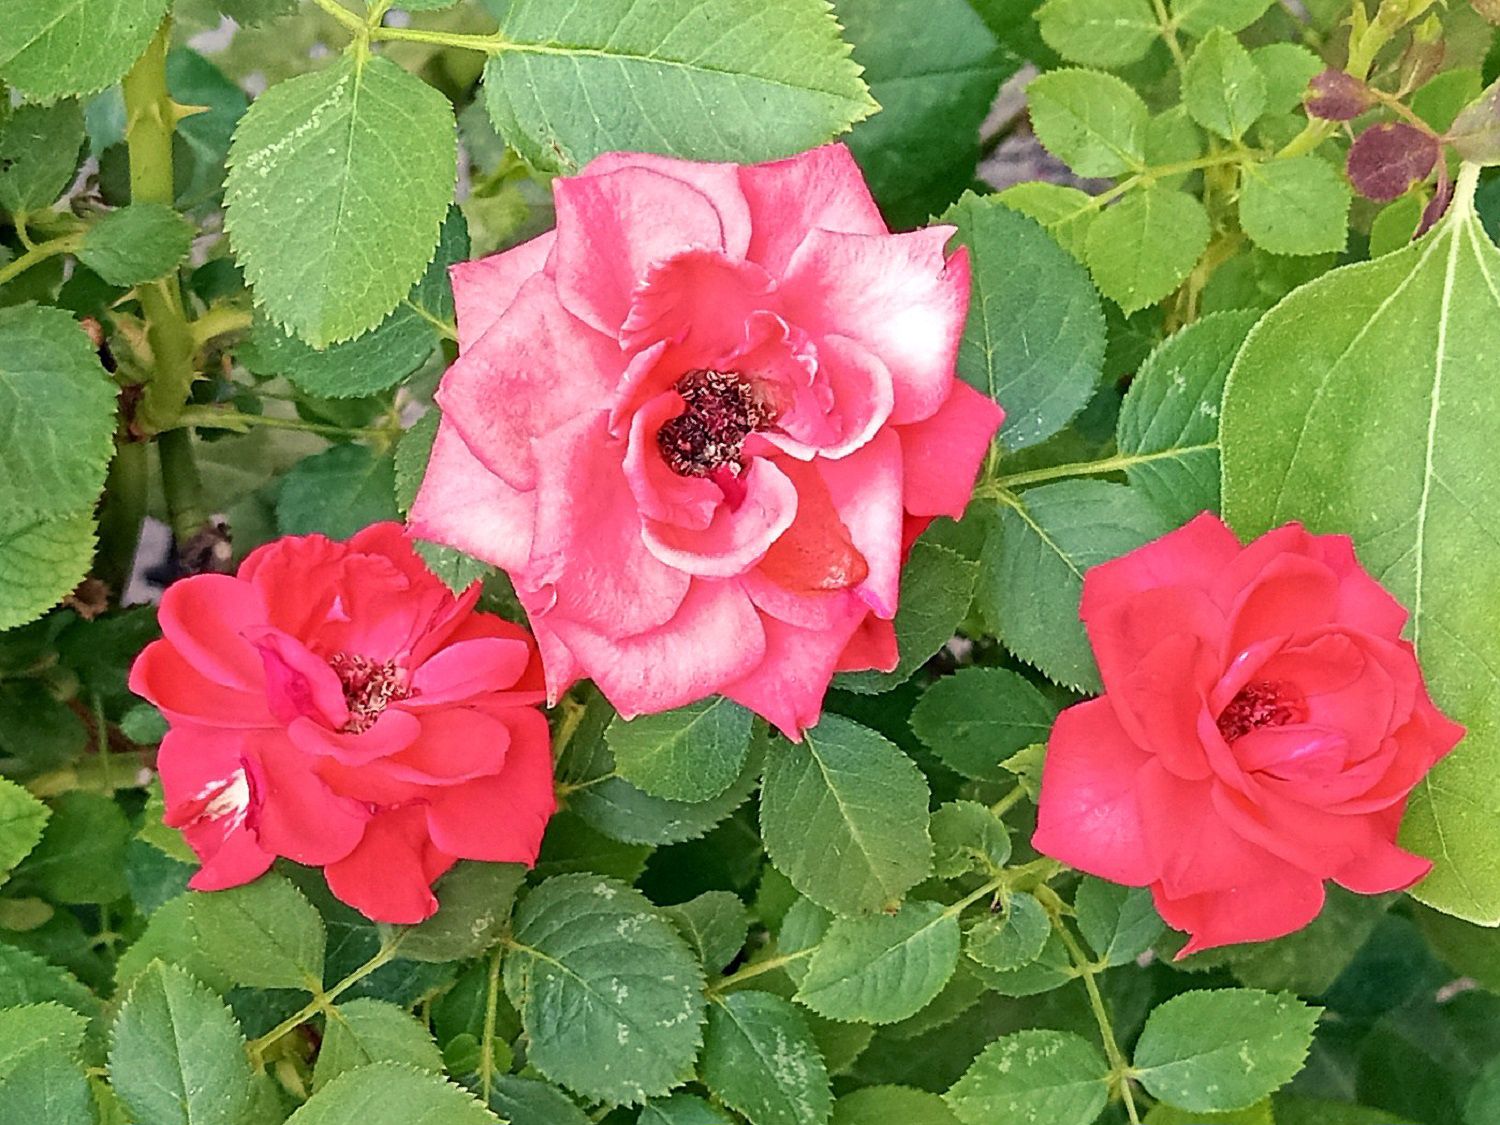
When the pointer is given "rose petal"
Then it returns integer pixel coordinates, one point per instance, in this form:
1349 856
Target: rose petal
942 454
818 190
865 489
462 504
388 877
1256 911
789 684
738 536
205 620
1194 555
299 816
501 818
483 289
466 669
183 694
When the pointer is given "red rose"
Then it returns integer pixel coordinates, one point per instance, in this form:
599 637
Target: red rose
335 704
1261 727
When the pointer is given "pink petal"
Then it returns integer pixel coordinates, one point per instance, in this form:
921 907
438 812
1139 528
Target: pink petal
536 369
1194 555
1383 866
1257 911
942 454
296 576
872 648
737 537
298 682
698 301
1089 814
205 618
859 385
393 731
1362 602
1159 700
898 295
865 489
788 686
661 494
818 190
501 818
162 675
456 744
719 182
469 668
462 504
1123 630
1288 595
299 816
483 289
239 860
386 878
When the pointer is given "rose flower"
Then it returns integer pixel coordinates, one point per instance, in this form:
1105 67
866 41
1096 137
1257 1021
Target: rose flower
699 424
1261 726
335 704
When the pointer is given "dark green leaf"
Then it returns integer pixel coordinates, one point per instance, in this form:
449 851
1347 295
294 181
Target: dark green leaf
882 968
978 717
693 753
760 1060
337 492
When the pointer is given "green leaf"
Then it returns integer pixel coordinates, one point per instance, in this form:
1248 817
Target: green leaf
1168 431
1483 1102
1290 1110
1143 247
681 1109
742 80
692 753
176 1054
388 1091
1051 1076
1287 69
937 587
1222 87
81 858
170 937
1297 206
337 492
26 978
31 1028
1199 17
1066 212
978 717
1034 564
474 903
1258 1114
38 154
1353 408
1008 941
1035 337
1094 123
365 365
1173 138
57 412
45 1086
967 836
367 1031
53 48
525 1101
884 967
714 924
1223 1049
136 244
22 821
889 1105
934 67
264 934
760 1060
609 994
1119 923
41 561
1107 33
844 817
338 183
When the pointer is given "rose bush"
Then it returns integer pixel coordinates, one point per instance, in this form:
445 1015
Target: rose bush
699 423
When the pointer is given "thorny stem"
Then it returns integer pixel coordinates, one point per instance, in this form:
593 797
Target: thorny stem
181 484
120 516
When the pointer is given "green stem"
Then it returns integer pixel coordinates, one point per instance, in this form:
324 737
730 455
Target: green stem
221 320
39 253
322 1001
770 964
180 481
1169 33
1119 1068
343 15
487 1042
490 44
1114 464
1009 801
213 417
121 515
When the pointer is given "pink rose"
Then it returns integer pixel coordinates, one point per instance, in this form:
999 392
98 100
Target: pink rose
335 704
699 422
1261 727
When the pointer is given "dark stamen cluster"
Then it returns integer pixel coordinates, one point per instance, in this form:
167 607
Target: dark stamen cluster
368 687
1258 704
722 410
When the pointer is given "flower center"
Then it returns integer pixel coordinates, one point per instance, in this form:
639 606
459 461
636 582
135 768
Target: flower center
1259 704
722 410
368 687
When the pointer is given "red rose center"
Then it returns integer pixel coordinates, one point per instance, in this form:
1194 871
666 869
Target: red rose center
368 687
723 409
1259 704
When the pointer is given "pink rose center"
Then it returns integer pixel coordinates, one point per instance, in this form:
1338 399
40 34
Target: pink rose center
368 687
723 409
1260 704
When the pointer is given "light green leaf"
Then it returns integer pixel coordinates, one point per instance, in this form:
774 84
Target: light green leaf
760 1060
714 924
937 587
1173 138
889 1105
1297 206
1258 1114
608 992
136 244
81 858
170 937
693 753
474 903
1051 1076
338 183
1119 923
1287 69
176 1054
967 836
264 934
884 967
57 414
387 1091
31 1028
366 1031
337 492
1008 941
1353 408
1034 564
41 560
1483 1103
53 48
978 717
1094 123
1168 431
1199 17
1066 212
365 365
46 1086
934 67
1297 1110
681 1109
1143 247
1223 1049
844 817
742 80
1052 969
1035 337
22 821
1108 33
1222 87
1396 224
39 148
